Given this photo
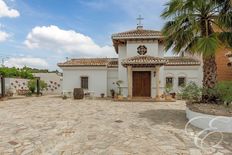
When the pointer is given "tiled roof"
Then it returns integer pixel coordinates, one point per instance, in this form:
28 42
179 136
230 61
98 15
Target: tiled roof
143 60
113 62
95 62
138 33
181 61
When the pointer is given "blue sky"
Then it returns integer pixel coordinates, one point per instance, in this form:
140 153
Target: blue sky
40 33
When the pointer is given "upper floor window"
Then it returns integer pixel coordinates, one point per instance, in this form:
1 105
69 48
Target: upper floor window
181 81
142 50
84 82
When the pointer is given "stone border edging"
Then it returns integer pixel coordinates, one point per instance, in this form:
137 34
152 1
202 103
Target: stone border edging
209 122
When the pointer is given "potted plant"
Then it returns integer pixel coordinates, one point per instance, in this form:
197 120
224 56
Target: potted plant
64 97
112 91
168 89
102 95
118 83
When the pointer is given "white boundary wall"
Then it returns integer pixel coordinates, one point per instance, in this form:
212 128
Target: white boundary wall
210 122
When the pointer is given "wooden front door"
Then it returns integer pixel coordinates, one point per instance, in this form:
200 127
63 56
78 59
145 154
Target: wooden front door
141 84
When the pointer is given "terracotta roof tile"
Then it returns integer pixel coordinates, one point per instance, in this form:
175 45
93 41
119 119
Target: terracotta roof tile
137 33
113 62
142 60
181 61
94 62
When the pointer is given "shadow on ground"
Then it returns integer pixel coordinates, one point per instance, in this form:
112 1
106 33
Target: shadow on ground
174 117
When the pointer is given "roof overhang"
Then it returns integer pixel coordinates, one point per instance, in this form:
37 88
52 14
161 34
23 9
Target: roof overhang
138 35
143 61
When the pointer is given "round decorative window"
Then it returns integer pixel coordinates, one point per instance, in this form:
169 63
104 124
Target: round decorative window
142 50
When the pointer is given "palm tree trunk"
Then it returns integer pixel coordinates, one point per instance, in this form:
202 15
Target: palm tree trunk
210 72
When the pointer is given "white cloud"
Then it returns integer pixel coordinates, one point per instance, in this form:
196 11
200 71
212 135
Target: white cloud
26 61
5 11
3 36
65 41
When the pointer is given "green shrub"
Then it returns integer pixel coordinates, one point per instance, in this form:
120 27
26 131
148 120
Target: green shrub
168 88
118 83
224 90
221 93
32 85
191 92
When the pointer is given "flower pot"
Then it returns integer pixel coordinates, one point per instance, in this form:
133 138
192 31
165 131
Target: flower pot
168 97
102 95
120 97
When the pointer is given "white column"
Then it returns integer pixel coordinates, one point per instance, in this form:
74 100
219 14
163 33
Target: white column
129 80
157 82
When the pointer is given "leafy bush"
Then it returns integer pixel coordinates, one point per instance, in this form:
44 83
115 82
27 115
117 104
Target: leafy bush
191 92
168 88
32 85
224 90
118 83
221 93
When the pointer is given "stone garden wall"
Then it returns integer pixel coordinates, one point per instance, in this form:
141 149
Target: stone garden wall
14 84
54 83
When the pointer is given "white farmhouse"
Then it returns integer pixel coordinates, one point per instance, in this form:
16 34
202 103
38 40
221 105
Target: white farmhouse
141 66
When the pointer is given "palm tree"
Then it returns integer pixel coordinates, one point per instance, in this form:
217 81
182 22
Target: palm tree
199 27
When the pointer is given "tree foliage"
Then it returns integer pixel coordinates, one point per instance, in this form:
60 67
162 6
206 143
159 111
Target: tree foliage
35 70
199 27
15 73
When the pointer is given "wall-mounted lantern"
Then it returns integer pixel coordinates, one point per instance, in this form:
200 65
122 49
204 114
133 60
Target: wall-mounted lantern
154 73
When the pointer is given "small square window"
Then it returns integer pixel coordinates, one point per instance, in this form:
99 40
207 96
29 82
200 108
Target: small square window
84 82
169 81
181 81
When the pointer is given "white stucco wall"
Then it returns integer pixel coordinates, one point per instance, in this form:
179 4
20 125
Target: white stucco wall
209 122
152 48
14 84
53 80
122 71
97 79
161 50
191 73
112 77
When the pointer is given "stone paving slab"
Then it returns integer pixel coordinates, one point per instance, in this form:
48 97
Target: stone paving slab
49 125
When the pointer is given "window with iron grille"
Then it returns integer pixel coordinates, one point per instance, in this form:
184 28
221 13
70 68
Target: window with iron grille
181 81
84 82
169 81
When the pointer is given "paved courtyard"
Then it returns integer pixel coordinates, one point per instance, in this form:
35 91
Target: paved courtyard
49 125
